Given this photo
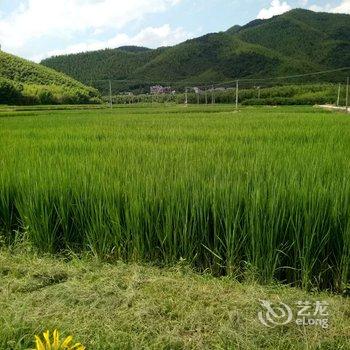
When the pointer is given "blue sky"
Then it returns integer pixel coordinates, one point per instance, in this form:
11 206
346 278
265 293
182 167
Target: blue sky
36 29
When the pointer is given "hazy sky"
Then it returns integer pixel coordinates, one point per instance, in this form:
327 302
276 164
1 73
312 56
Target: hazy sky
40 28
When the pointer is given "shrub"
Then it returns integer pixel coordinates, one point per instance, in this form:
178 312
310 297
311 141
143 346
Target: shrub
10 92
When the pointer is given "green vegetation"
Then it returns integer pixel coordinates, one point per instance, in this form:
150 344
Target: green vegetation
24 82
299 41
263 192
306 94
130 306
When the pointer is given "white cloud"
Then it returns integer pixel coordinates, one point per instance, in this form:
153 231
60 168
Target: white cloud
276 8
342 7
66 19
318 8
151 37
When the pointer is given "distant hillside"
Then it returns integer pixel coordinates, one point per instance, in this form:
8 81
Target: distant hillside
299 41
25 82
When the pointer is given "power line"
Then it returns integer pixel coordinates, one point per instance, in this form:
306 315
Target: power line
288 76
110 95
347 93
184 82
237 87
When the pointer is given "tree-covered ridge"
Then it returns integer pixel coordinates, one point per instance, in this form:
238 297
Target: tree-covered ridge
299 41
304 35
25 82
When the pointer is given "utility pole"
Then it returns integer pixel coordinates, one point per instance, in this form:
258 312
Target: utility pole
237 87
338 99
347 94
110 95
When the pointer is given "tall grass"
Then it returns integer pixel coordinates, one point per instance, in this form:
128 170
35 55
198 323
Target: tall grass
263 192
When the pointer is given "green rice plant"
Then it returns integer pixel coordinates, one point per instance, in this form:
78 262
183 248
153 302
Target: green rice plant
261 193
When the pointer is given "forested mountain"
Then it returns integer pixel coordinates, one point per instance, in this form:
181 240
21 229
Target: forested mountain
299 41
22 81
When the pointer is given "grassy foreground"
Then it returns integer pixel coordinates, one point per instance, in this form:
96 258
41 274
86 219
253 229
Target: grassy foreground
129 306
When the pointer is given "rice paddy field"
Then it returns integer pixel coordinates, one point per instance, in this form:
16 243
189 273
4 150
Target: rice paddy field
262 193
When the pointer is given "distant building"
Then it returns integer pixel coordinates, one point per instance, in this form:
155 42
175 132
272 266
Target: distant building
158 89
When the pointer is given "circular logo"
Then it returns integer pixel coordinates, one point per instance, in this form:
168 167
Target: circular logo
275 315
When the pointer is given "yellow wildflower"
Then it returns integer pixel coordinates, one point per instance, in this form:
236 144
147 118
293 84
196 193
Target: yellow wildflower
46 343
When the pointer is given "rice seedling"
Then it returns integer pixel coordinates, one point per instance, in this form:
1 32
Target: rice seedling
263 192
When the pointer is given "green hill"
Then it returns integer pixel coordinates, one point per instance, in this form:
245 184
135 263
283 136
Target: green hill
299 41
25 82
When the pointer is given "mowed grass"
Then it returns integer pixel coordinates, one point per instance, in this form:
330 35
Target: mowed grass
263 192
129 306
